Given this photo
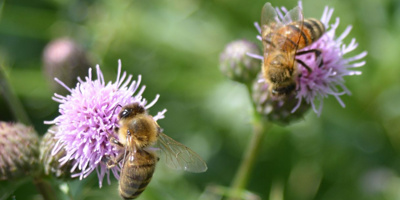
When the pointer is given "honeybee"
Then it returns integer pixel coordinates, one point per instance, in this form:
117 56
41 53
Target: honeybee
137 133
281 41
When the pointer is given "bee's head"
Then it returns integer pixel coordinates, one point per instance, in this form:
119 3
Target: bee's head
131 110
283 89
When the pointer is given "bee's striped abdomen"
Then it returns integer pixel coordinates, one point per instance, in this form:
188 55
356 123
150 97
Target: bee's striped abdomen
136 174
296 35
313 29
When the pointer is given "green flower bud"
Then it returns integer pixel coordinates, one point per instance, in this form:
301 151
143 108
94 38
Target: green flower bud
50 161
65 60
19 151
236 64
277 110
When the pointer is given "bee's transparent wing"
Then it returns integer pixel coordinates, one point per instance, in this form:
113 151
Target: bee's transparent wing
269 16
269 23
179 156
293 15
294 18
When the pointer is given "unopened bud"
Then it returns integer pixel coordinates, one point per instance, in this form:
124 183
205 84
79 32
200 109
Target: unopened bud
236 64
65 60
279 110
19 151
50 161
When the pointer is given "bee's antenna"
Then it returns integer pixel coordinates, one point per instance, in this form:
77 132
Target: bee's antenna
118 105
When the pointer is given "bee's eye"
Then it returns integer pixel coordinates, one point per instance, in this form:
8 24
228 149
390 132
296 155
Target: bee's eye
125 113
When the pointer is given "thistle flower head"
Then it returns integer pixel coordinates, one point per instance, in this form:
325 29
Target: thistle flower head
88 115
236 65
326 79
19 152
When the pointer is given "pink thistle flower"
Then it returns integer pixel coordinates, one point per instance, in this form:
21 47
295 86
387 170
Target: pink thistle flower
87 115
321 82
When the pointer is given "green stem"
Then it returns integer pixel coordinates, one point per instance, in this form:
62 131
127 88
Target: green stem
45 189
12 100
242 175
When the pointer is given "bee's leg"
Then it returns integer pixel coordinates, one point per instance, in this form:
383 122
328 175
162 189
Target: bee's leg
317 55
116 129
115 142
111 163
304 65
114 161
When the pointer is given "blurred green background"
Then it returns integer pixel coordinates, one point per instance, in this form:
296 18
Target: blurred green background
346 153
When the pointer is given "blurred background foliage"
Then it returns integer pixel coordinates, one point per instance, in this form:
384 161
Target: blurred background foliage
346 153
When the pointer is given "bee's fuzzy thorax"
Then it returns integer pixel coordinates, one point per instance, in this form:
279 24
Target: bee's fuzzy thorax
143 128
